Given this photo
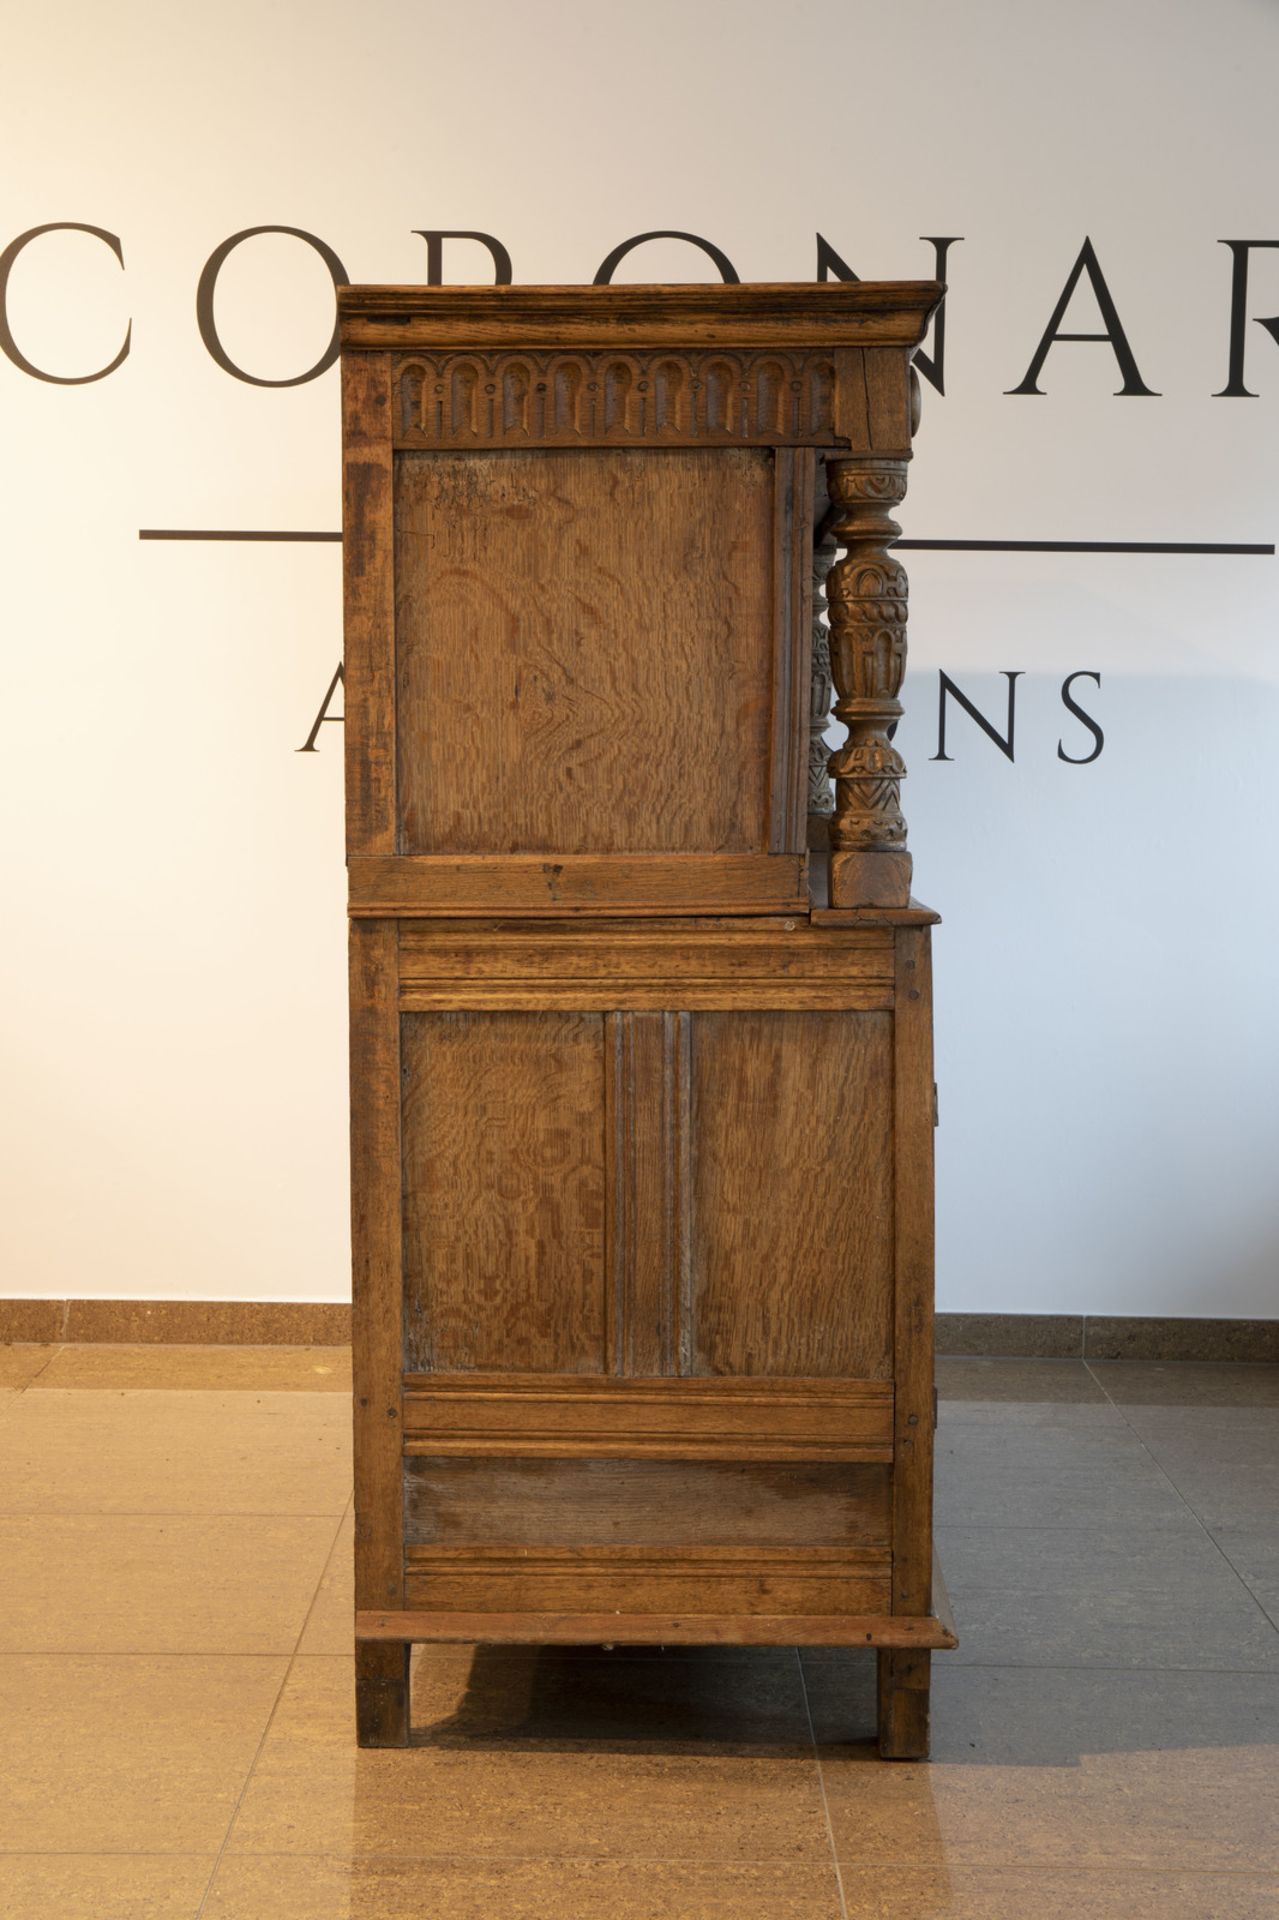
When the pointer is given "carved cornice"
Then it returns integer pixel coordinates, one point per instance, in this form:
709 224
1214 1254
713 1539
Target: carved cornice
795 315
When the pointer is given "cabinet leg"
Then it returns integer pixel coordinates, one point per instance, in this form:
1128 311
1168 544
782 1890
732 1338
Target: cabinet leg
904 1680
382 1693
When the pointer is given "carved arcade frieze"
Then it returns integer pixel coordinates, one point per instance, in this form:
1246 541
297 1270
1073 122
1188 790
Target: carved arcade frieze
719 398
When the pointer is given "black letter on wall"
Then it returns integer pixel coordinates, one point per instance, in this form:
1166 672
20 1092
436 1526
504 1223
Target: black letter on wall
204 306
435 238
933 368
1234 388
1072 759
7 341
607 268
1114 335
1003 741
308 745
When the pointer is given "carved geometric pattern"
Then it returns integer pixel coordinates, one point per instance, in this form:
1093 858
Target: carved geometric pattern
867 591
635 399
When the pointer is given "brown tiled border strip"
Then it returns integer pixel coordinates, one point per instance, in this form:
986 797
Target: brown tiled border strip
266 1323
1072 1336
183 1323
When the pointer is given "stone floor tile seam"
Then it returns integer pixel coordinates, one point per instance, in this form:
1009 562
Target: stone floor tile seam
1046 1666
54 1351
136 1653
1116 1870
98 1853
168 1513
1091 1666
1198 1518
490 1857
270 1719
821 1784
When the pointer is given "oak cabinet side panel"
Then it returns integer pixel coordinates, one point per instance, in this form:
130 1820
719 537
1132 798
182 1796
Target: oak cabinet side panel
791 1267
504 1192
571 1503
585 651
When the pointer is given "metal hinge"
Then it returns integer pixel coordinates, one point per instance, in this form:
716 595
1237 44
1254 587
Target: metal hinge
936 1111
934 1409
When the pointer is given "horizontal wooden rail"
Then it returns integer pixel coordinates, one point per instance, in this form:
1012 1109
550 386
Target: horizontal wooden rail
657 1629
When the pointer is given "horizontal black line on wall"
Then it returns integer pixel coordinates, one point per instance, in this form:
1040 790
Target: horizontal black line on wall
226 533
915 546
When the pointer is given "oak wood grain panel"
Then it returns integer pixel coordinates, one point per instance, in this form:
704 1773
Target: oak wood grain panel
792 1261
376 1279
913 1258
469 1502
504 1192
792 646
648 1139
710 995
888 397
764 313
628 1629
689 950
673 1419
369 600
573 632
770 1580
584 883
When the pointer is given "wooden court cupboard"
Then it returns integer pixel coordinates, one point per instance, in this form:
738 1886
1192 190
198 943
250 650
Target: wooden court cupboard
642 1095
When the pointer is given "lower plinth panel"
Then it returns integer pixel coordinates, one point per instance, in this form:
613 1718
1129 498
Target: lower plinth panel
723 1582
924 1633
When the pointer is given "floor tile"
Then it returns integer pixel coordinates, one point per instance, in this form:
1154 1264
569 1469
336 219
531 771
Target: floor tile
1058 1768
85 1451
1224 1461
1010 1893
1105 1597
112 1753
1188 1383
151 1583
1010 1474
496 1772
112 1886
204 1369
1255 1558
330 1625
961 1379
248 1888
20 1364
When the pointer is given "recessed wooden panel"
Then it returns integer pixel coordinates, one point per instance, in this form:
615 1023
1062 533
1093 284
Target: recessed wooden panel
504 1191
573 1503
578 635
792 1234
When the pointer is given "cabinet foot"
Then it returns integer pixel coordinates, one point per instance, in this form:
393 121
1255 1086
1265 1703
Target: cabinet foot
904 1680
382 1693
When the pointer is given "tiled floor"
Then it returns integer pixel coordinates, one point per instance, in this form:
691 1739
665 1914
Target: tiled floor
175 1684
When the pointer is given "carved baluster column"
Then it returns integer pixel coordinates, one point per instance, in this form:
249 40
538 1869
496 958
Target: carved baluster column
820 802
869 864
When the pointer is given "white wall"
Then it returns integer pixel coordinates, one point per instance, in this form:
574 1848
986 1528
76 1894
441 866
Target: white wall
173 993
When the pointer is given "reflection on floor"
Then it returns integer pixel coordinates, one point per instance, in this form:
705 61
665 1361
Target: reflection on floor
175 1687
